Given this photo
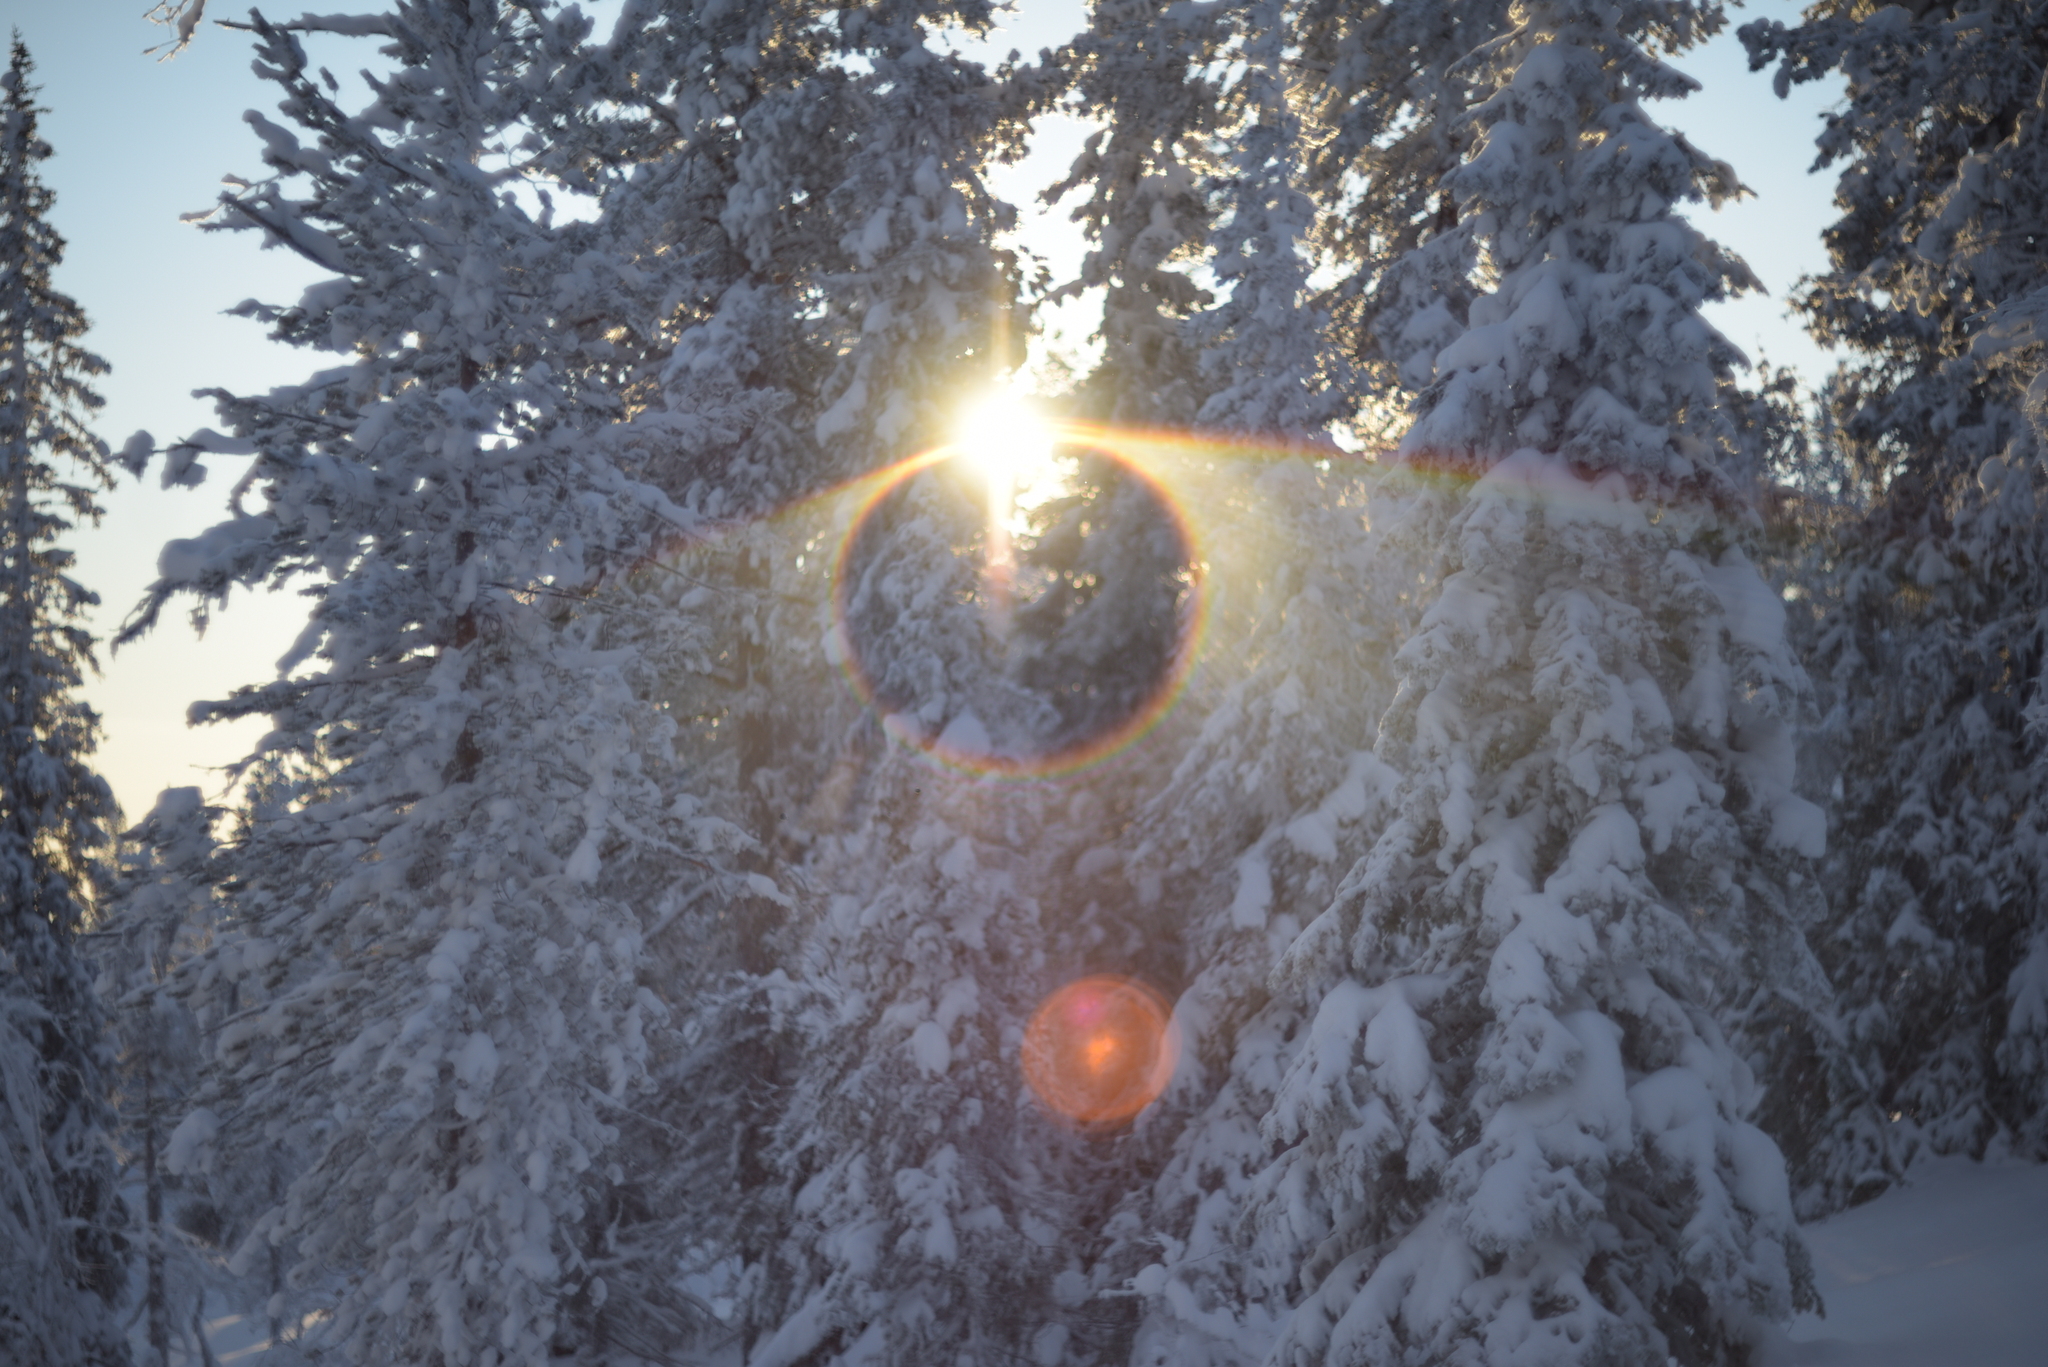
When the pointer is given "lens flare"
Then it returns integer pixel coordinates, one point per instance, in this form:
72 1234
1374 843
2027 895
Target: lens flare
1012 461
1210 488
1100 1050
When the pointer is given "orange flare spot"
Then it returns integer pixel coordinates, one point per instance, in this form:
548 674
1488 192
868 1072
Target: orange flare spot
1100 1050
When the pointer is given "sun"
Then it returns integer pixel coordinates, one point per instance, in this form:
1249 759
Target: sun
1009 450
1011 446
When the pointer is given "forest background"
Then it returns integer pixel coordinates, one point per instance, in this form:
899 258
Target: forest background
1579 795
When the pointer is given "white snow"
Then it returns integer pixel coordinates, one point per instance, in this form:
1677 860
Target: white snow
191 1141
1254 889
929 1047
1948 1271
966 735
185 560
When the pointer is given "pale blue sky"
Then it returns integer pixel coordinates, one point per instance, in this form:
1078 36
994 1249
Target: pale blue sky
139 142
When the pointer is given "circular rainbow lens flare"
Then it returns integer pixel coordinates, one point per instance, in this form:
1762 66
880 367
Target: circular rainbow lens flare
1100 1050
973 498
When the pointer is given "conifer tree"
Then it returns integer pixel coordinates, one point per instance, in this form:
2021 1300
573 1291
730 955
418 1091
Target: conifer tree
1387 90
425 994
163 908
722 225
1931 591
1267 367
1235 850
913 1219
61 1245
1237 844
1143 71
1515 1129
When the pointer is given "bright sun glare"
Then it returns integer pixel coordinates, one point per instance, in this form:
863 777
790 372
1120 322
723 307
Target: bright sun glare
1011 447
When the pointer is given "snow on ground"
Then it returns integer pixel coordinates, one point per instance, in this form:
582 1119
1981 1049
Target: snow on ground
1948 1271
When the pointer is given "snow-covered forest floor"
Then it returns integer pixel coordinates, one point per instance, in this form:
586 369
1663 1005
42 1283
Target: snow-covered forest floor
1948 1271
1951 1270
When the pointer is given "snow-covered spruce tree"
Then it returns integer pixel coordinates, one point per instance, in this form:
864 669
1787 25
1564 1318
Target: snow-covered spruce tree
722 233
1106 565
1142 70
162 908
2017 343
424 989
1264 361
918 1223
1385 93
1820 1104
1237 849
63 1261
1515 1130
1238 844
937 935
1931 641
784 252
